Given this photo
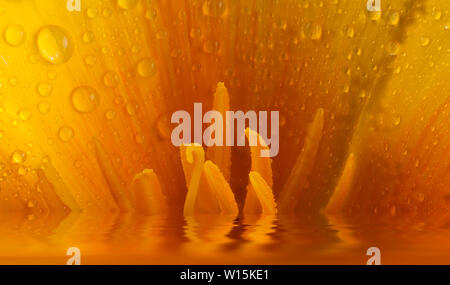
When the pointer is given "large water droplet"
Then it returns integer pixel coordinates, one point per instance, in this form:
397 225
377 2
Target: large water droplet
54 44
14 35
85 99
146 67
18 156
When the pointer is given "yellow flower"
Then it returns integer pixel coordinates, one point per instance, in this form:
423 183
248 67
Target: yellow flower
86 99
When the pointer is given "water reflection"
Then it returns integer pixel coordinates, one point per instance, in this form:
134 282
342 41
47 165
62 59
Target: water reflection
112 238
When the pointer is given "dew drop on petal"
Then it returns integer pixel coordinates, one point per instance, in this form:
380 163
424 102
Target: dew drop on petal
312 31
44 107
394 19
90 60
110 79
85 99
88 37
107 12
24 114
54 44
146 67
110 114
436 14
393 48
22 170
397 120
132 108
14 35
350 32
44 89
65 133
92 12
18 156
151 14
425 41
215 8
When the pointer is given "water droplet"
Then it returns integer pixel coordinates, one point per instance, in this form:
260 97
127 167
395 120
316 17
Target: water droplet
425 41
44 107
394 19
14 35
45 89
54 44
393 210
132 108
397 120
111 79
85 99
18 157
151 14
32 203
24 114
350 32
163 127
215 8
51 75
146 67
210 46
312 31
393 48
436 14
92 12
127 4
45 159
90 60
65 133
77 163
110 114
88 37
22 170
107 12
417 163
